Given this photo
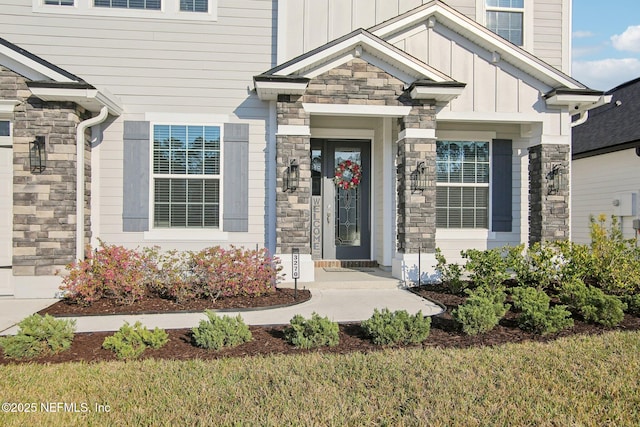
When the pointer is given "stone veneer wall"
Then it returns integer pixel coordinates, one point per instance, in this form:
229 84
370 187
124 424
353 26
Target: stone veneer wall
416 208
44 212
548 213
358 83
293 208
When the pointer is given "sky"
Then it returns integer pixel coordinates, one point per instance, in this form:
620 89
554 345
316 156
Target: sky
606 42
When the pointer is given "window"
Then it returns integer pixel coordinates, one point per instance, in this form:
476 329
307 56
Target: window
194 5
186 176
59 2
5 128
462 192
505 18
129 4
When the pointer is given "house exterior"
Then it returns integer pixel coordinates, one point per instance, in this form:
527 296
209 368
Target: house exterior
367 130
606 160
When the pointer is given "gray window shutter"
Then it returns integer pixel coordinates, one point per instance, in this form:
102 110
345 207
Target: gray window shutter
135 212
501 185
235 206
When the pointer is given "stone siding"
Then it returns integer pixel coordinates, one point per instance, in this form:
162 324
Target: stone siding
44 205
549 217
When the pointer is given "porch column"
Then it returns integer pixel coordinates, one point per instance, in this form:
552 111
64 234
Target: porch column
416 214
549 192
293 206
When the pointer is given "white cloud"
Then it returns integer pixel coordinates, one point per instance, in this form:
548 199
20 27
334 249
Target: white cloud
582 34
606 74
629 40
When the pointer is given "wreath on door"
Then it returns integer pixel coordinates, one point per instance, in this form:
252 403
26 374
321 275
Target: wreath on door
348 175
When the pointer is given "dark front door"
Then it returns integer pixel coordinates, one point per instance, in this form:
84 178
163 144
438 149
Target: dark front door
341 176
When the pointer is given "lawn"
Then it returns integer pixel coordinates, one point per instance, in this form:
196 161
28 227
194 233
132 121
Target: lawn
581 380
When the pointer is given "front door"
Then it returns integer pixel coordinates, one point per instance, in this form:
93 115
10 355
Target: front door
341 175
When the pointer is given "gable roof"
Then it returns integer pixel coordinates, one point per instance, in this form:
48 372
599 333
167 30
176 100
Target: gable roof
611 127
51 83
443 14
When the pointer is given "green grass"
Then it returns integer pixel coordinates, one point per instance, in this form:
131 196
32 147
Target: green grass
586 381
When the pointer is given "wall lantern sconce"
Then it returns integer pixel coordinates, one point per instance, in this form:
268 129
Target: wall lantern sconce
37 155
292 176
554 176
419 178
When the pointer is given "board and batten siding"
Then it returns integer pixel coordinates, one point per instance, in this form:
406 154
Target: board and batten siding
595 182
161 66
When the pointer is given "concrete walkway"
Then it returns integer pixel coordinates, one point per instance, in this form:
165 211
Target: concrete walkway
349 300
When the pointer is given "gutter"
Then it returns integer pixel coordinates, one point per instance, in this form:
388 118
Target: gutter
80 144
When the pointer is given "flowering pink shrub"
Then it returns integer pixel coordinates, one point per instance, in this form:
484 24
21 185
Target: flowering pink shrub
230 272
127 275
108 272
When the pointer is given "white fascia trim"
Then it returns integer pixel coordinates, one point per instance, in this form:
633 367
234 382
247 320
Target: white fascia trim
197 118
343 133
382 52
269 91
7 106
454 116
444 94
417 133
471 32
356 110
29 68
91 99
578 103
300 130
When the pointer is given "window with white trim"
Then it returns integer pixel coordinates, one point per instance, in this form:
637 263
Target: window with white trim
129 4
186 176
194 5
462 184
59 2
506 19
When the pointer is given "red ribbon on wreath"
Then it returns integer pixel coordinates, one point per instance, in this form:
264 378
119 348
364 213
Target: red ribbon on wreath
348 175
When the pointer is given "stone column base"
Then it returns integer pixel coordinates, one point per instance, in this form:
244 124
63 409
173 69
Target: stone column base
405 268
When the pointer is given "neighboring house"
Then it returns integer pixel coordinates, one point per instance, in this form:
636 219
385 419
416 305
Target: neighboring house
222 122
606 163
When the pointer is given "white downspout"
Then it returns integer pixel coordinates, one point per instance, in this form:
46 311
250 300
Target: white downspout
583 118
80 143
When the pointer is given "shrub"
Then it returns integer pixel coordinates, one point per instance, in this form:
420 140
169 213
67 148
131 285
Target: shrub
398 327
315 332
482 310
225 273
537 266
487 269
130 342
108 272
537 316
38 335
451 274
169 274
633 303
592 303
218 332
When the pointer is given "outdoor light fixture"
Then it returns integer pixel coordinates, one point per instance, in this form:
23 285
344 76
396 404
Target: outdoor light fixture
37 154
419 178
292 176
554 176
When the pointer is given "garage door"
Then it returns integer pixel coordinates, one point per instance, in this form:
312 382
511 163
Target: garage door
6 219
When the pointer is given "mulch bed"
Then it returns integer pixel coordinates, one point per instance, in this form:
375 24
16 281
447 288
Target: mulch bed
269 340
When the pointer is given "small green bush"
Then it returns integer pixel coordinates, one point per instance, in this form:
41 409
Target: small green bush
633 303
488 269
537 316
315 332
592 303
218 332
451 274
39 335
482 310
385 327
536 266
129 342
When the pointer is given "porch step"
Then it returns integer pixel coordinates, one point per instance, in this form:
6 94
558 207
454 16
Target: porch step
338 263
